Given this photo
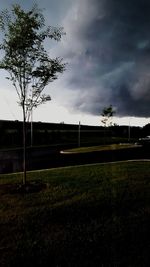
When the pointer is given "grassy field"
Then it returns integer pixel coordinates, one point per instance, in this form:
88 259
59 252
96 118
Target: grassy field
96 215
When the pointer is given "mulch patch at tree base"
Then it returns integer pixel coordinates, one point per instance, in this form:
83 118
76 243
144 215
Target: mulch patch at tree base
32 187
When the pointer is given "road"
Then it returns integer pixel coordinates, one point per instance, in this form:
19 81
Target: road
45 158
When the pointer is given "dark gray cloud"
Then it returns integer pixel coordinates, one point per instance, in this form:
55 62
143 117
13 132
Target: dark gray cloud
107 47
108 50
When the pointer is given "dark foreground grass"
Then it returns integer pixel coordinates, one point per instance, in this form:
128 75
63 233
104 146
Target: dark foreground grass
94 215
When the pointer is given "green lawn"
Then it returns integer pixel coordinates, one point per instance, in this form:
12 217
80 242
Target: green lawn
99 148
96 215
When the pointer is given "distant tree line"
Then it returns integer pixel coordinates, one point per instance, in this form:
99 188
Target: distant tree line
58 133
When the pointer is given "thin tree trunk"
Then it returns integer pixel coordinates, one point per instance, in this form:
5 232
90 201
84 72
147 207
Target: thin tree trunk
31 127
24 148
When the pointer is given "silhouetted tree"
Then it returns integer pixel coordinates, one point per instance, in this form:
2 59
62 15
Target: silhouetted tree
107 115
25 59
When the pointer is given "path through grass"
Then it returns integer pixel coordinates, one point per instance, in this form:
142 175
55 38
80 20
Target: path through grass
99 148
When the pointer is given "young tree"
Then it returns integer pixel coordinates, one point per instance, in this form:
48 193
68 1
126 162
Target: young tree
107 115
26 60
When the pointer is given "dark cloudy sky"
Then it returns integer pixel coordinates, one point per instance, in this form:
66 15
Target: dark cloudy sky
107 47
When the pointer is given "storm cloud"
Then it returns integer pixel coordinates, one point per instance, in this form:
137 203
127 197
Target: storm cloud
107 48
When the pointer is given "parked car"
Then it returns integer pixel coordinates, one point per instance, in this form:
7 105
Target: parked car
145 140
